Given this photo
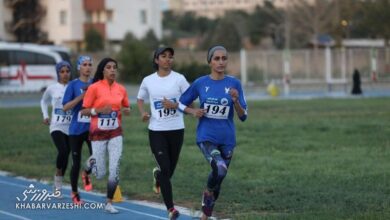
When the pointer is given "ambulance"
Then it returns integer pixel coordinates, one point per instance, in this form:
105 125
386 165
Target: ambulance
27 67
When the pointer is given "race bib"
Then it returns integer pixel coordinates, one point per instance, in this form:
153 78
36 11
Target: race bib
83 118
61 117
108 121
162 113
216 111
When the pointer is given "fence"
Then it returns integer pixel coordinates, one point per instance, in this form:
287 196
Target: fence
307 67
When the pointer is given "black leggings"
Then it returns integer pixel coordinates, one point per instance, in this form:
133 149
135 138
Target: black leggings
61 141
166 147
76 143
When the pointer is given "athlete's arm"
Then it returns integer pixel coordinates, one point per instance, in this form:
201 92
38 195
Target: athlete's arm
74 102
236 103
196 112
241 112
144 115
44 106
94 111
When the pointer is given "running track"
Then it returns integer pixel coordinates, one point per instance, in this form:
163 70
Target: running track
11 208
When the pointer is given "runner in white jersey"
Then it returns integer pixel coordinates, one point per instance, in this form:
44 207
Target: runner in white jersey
166 126
59 121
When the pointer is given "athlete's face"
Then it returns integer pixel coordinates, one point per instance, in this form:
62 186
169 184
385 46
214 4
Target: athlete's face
165 60
109 71
219 61
86 68
64 75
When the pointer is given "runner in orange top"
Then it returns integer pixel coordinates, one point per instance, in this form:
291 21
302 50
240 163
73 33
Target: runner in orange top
104 101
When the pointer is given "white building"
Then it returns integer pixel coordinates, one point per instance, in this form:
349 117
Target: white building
67 21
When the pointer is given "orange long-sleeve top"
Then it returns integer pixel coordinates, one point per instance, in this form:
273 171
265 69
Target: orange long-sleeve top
99 95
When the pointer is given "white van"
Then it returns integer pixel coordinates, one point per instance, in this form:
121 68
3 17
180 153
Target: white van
26 67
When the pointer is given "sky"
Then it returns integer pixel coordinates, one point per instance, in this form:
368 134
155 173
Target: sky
164 5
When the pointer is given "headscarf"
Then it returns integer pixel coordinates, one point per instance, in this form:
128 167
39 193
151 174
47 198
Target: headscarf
59 67
211 51
82 59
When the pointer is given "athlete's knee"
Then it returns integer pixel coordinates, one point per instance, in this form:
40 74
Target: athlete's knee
222 169
100 171
219 169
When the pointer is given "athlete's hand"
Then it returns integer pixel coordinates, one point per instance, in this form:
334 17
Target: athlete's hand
126 111
145 116
46 121
197 112
168 104
234 94
105 110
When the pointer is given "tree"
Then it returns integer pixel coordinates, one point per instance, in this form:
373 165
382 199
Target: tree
312 18
135 60
93 40
192 70
26 18
229 31
151 40
377 18
265 21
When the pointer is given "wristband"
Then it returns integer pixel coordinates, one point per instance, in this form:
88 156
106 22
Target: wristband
181 107
93 111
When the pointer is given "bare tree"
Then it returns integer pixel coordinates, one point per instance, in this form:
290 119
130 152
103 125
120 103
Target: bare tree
312 18
26 17
308 20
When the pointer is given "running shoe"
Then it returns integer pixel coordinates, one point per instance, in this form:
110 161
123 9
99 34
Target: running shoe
207 203
76 198
156 183
90 166
57 188
110 209
86 182
173 214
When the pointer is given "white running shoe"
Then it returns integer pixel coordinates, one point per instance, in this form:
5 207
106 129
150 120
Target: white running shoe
57 188
110 209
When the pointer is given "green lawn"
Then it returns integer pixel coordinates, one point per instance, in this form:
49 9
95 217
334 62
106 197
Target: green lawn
308 159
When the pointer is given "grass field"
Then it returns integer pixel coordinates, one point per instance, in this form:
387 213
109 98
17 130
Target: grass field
308 159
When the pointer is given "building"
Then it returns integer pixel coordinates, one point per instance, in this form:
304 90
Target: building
67 21
5 21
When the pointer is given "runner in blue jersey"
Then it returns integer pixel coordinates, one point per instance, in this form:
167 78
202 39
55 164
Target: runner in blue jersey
219 96
79 126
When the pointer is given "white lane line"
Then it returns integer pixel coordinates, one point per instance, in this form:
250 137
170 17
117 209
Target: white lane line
13 215
126 209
